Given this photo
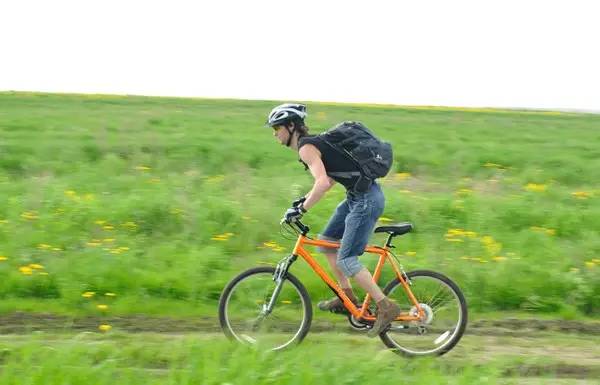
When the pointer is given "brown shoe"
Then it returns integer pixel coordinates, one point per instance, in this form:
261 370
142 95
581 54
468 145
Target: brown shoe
335 305
387 311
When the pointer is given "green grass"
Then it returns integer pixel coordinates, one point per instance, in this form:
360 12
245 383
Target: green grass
148 358
124 195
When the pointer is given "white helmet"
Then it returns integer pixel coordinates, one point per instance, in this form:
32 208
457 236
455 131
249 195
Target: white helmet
285 113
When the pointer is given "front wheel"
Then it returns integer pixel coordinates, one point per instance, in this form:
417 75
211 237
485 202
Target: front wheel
256 310
445 315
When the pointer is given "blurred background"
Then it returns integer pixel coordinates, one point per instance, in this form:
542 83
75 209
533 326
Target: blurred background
125 216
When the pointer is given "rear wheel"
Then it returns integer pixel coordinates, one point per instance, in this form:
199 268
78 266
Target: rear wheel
445 315
245 317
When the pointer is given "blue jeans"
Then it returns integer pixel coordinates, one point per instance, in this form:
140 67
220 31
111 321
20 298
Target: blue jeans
353 223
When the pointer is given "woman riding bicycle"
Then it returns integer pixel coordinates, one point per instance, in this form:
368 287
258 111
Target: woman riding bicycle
354 219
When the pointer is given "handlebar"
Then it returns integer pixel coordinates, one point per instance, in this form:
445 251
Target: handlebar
301 226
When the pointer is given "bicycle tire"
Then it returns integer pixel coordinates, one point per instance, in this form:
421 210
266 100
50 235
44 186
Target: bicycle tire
301 290
459 331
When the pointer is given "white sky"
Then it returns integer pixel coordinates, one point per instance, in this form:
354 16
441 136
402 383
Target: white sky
535 54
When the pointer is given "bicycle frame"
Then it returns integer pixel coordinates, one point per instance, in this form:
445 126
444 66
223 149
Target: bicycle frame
384 254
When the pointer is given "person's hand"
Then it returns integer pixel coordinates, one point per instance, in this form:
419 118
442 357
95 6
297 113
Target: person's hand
297 202
294 213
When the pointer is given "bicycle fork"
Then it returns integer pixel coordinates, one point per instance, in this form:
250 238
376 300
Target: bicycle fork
278 277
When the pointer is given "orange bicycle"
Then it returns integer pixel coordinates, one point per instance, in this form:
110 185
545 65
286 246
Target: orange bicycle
269 306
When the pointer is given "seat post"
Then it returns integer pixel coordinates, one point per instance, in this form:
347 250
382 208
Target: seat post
389 240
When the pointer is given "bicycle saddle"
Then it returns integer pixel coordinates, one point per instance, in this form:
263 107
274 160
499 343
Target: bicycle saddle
399 229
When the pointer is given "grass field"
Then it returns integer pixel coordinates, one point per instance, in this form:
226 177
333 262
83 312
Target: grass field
153 204
121 211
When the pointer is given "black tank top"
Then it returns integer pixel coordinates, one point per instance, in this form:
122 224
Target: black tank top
332 160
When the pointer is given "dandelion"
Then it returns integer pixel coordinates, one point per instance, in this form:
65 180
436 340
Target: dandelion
43 246
29 215
26 270
385 219
56 249
100 222
286 302
534 187
590 264
110 294
3 258
36 266
596 261
411 253
222 237
402 176
464 191
492 165
3 221
108 227
104 327
543 230
142 168
88 294
102 307
94 243
108 240
581 194
499 258
454 240
130 224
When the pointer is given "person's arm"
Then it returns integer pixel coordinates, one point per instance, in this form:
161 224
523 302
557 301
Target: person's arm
312 157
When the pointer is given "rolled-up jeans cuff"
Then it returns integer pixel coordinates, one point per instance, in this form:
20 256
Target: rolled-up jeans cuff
350 266
327 250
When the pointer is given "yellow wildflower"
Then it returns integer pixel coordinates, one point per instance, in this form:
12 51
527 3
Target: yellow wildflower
100 222
385 219
104 328
3 221
581 194
402 175
30 215
3 258
26 270
534 187
102 307
108 227
94 243
499 258
454 240
108 240
110 294
590 264
406 191
464 191
88 294
142 168
574 270
70 193
56 249
130 224
492 165
36 266
43 246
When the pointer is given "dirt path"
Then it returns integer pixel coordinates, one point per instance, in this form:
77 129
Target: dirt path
22 322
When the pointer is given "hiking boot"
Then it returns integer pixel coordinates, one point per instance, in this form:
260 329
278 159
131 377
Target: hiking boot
335 305
387 311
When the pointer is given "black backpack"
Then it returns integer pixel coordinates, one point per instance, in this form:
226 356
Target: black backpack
372 156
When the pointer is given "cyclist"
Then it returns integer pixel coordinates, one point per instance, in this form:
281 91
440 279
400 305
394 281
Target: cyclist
353 220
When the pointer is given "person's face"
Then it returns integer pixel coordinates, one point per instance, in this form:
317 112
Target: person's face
281 133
